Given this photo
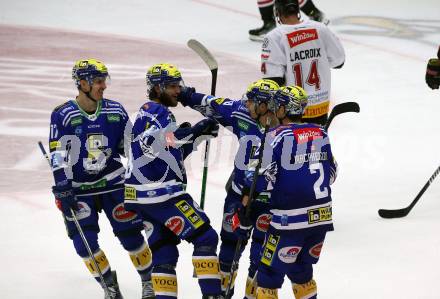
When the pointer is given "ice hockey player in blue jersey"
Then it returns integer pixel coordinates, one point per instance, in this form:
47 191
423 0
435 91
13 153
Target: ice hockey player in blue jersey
299 167
246 119
155 186
86 141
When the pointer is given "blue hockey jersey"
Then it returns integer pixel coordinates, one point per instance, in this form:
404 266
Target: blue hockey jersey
234 116
85 148
298 166
156 170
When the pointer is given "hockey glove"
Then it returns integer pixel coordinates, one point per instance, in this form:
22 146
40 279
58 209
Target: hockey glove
432 77
241 225
185 94
65 199
206 126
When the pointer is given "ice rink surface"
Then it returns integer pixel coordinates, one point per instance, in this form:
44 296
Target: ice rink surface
386 153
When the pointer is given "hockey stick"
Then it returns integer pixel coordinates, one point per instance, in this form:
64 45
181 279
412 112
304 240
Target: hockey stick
341 108
207 57
81 233
235 260
398 213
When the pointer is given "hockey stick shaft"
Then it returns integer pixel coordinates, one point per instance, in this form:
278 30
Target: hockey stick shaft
235 260
398 213
341 108
209 59
80 231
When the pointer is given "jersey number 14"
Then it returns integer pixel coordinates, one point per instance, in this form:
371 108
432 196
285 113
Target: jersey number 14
312 78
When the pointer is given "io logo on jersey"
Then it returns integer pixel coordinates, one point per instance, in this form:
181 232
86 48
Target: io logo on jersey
175 224
122 215
288 255
263 222
301 36
315 251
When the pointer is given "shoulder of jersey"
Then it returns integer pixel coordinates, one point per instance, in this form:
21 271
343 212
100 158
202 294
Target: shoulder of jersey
64 108
153 107
107 103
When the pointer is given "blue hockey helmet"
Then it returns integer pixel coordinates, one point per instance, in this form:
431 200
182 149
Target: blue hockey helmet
293 98
88 69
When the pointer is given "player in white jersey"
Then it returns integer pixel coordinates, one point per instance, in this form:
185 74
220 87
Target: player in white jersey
266 11
302 52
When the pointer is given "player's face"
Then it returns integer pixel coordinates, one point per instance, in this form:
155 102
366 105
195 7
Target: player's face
169 95
252 107
97 88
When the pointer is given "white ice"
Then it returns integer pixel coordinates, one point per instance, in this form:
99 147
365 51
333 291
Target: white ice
386 153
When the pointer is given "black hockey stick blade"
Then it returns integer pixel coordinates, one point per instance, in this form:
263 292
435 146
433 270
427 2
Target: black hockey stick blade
398 213
341 108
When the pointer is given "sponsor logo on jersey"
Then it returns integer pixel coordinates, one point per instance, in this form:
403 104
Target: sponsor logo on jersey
65 110
54 145
305 135
301 36
122 215
100 184
243 125
130 193
175 224
316 110
76 121
113 118
113 104
219 101
148 228
263 222
270 249
93 126
187 210
310 157
288 255
315 251
83 212
320 214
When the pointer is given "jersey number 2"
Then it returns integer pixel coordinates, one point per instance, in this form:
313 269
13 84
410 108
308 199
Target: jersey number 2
317 186
312 78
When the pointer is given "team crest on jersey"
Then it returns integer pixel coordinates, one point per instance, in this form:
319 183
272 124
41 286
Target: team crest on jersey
122 215
301 36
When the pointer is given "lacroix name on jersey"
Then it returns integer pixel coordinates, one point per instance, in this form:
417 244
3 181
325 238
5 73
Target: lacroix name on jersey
307 134
301 36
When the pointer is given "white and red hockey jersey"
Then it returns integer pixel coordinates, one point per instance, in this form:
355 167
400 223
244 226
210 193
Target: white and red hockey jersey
304 54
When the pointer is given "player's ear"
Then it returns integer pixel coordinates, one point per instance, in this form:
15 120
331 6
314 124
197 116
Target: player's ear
84 84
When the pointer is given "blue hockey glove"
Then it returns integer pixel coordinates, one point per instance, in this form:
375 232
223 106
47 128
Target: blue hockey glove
65 199
185 94
206 126
241 225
